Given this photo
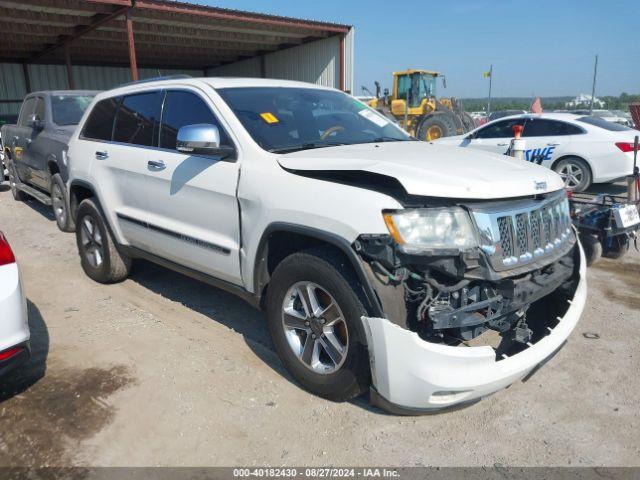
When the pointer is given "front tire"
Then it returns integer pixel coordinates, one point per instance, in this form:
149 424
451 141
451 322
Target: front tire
60 204
437 125
314 318
575 172
99 256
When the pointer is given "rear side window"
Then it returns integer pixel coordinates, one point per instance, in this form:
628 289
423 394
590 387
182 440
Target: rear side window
138 119
99 125
185 108
598 122
68 109
540 127
26 110
500 129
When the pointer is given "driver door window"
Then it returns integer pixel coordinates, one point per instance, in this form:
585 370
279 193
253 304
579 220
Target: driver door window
496 136
191 199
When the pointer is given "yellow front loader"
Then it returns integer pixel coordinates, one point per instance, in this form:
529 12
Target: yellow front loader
427 117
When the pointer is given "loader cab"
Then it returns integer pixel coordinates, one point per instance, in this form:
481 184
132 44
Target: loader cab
420 84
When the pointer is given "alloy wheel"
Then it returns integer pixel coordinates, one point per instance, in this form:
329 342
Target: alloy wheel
91 241
57 198
572 175
315 327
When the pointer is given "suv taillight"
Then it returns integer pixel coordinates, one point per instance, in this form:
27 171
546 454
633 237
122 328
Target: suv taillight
625 146
6 255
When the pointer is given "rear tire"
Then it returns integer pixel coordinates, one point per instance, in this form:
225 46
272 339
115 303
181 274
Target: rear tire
575 172
320 272
437 125
100 258
60 204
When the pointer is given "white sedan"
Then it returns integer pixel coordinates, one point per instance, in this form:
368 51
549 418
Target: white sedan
14 328
582 149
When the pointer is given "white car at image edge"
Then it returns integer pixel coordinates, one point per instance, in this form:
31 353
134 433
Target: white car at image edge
14 327
582 149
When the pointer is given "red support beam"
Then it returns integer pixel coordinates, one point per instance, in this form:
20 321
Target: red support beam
132 48
67 61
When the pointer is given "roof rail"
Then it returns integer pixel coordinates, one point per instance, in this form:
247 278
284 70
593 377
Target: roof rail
156 79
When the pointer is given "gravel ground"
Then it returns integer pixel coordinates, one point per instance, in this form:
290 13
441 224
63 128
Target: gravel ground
161 370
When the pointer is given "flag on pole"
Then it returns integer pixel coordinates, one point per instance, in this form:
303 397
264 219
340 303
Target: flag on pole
486 74
536 106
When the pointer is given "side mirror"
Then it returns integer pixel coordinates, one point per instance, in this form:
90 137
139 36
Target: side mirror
202 139
35 123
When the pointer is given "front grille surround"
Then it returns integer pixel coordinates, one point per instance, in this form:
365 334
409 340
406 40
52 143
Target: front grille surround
522 232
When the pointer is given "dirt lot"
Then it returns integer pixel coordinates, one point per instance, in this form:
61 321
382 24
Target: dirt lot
163 370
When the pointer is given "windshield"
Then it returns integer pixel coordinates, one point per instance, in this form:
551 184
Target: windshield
288 119
602 123
68 109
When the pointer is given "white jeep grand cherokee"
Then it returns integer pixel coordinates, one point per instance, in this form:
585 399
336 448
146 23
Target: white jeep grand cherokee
431 275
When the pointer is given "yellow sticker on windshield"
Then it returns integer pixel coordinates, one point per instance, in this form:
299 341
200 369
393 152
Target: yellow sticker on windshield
269 117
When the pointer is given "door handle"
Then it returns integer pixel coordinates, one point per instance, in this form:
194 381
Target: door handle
102 155
156 164
551 144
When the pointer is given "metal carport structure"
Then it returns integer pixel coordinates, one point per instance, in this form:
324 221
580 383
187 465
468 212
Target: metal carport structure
97 44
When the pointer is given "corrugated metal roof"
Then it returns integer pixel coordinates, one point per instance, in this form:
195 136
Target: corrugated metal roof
166 32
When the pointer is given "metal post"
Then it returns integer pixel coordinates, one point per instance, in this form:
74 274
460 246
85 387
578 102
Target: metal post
27 78
132 48
263 65
406 106
593 89
67 60
490 80
342 62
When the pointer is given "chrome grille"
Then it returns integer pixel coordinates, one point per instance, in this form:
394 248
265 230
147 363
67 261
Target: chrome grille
516 233
522 232
535 224
504 225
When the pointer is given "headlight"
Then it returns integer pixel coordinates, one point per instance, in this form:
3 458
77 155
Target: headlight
431 229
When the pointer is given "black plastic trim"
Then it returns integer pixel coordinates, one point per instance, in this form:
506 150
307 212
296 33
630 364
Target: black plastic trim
173 233
379 401
331 238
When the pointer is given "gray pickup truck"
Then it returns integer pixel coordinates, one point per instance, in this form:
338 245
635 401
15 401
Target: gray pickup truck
35 148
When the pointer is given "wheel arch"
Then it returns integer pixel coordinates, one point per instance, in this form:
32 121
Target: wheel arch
282 239
78 191
571 155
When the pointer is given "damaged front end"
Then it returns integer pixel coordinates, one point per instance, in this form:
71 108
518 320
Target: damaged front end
501 297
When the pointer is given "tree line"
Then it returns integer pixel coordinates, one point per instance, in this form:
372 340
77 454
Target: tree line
620 102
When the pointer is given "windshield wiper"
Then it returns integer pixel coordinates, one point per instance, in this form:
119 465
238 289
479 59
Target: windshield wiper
306 146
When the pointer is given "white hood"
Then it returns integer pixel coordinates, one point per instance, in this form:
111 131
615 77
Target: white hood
433 170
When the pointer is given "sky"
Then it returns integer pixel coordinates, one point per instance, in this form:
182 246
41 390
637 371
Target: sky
539 47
